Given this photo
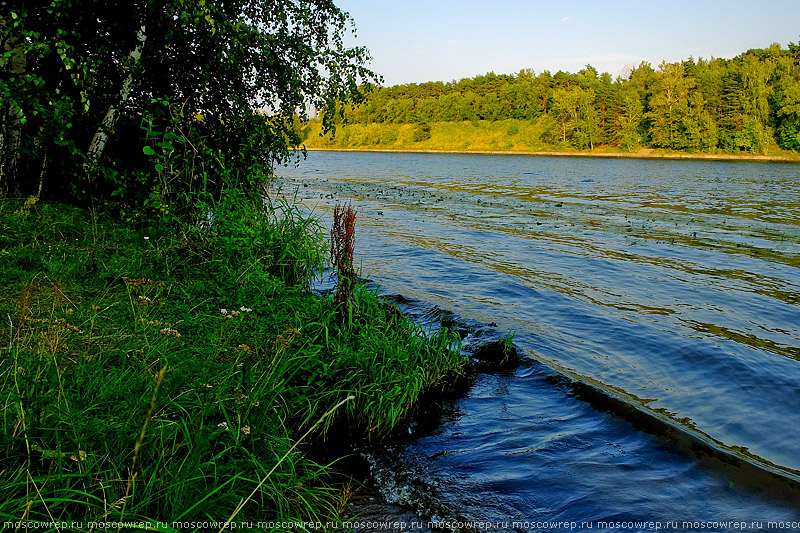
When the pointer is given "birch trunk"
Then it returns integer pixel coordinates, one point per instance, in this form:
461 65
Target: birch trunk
109 121
11 126
3 113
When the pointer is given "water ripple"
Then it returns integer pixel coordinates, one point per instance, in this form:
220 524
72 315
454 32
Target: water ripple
673 286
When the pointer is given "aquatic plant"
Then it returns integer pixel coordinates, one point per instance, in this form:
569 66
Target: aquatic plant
496 355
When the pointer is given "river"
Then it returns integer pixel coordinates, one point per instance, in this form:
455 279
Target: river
656 305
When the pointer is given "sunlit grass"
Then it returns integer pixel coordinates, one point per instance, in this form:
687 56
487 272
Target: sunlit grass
503 135
510 135
148 375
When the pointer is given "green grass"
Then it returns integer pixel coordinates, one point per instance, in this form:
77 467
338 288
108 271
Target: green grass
510 135
157 375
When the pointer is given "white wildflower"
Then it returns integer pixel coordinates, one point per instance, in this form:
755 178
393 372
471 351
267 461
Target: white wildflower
169 332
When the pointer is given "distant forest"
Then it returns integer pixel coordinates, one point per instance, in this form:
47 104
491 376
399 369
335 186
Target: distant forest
744 104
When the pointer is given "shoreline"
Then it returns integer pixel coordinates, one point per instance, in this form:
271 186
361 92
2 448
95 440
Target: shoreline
641 154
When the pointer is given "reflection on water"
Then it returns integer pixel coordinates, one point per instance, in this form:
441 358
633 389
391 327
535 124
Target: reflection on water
673 285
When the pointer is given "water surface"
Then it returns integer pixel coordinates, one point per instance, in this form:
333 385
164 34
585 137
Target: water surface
672 286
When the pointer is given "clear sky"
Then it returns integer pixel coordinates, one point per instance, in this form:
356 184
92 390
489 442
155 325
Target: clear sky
445 40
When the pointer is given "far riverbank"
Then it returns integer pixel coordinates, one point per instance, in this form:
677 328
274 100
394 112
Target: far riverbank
505 137
641 154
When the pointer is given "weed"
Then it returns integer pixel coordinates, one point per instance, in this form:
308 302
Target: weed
497 355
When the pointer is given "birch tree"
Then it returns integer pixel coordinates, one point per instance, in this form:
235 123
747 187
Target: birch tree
143 95
12 64
109 121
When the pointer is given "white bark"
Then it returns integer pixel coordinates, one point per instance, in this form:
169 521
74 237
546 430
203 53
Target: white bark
100 138
11 124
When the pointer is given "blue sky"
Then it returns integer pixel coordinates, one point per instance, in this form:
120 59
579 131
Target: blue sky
444 40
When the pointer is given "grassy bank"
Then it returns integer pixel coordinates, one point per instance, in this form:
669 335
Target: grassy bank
501 136
151 375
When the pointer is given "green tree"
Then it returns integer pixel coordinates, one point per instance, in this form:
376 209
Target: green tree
643 79
668 105
13 63
628 122
698 126
709 78
604 103
217 83
731 110
746 113
756 80
573 108
697 105
789 113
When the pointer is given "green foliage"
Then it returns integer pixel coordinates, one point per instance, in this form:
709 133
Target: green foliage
747 103
498 355
669 106
388 137
789 136
153 376
422 132
192 97
574 110
788 114
242 238
174 373
629 122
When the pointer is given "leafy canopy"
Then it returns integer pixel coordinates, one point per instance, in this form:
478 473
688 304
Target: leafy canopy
204 94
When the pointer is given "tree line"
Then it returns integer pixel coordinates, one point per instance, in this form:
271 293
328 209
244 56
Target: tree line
744 104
